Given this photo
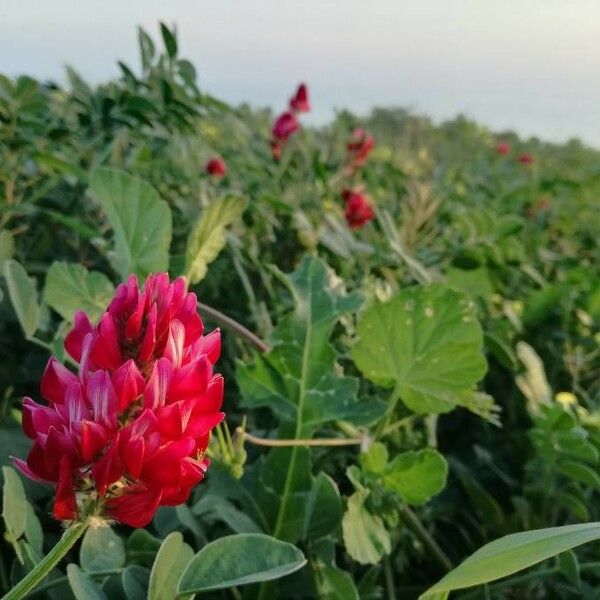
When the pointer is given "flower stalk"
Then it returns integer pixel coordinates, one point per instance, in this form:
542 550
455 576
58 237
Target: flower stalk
45 566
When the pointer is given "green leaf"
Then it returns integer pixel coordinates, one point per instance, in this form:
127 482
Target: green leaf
170 40
239 560
146 48
335 584
417 476
569 567
140 220
71 287
101 550
33 531
365 536
7 247
208 237
225 511
579 472
82 585
23 295
298 378
141 548
426 342
475 282
285 482
323 510
135 582
14 503
375 459
514 553
170 562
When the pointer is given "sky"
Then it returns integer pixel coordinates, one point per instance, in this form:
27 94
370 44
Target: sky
531 65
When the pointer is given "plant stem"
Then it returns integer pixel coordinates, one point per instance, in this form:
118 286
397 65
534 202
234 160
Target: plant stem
413 523
389 578
233 325
43 568
299 442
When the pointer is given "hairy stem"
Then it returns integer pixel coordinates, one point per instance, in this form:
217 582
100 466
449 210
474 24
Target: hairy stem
298 442
233 325
45 566
413 523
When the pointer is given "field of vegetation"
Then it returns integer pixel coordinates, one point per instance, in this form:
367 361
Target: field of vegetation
410 321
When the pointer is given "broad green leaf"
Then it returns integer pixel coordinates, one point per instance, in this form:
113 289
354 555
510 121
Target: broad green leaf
285 483
297 379
140 220
365 536
141 548
82 585
335 584
101 550
323 510
14 503
514 553
239 560
225 511
33 531
417 476
135 582
170 562
301 382
426 342
71 287
23 295
208 237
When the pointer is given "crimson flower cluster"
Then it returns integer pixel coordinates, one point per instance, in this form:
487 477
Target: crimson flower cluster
216 166
358 208
525 158
287 122
129 431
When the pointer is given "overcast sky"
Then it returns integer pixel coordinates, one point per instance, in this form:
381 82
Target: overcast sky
532 65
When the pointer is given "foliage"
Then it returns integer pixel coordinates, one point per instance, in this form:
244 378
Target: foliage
432 376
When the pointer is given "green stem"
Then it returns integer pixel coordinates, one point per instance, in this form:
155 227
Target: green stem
234 326
389 578
389 413
43 568
413 523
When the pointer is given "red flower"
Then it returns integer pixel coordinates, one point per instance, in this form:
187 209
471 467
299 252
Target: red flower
216 166
299 102
129 432
359 210
525 158
359 147
285 125
502 148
